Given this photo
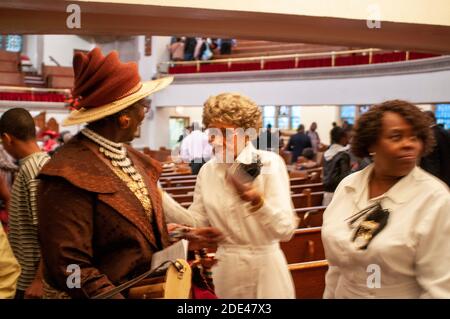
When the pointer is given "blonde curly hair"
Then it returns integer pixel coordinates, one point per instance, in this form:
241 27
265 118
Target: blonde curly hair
234 109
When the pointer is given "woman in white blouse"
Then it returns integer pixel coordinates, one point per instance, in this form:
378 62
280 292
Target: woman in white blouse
253 217
409 256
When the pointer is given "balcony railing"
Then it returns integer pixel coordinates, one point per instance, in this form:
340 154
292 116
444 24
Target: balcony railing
165 67
30 94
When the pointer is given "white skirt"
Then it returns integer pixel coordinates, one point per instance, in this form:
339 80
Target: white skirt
252 272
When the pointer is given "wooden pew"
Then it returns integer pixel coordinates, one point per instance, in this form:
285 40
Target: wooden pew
48 70
178 183
307 200
310 216
9 66
10 56
309 279
58 77
60 81
11 78
182 188
299 181
175 174
314 187
186 205
177 177
305 245
174 179
183 198
179 190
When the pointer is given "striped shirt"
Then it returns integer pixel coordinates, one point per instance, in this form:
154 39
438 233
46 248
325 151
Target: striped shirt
23 231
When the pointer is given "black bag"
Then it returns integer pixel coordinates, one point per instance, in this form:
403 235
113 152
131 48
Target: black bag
335 170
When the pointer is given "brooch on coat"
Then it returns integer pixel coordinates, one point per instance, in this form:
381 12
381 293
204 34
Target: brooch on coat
374 220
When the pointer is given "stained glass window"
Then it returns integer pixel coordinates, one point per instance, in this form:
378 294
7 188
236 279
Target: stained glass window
11 43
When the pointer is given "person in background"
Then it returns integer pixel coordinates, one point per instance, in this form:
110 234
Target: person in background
63 138
306 161
189 48
176 50
5 197
314 137
18 135
198 48
438 161
387 229
186 132
50 141
195 148
226 45
7 166
7 171
336 163
298 142
9 268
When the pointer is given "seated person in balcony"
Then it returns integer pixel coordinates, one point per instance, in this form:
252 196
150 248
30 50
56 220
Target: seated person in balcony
252 207
176 50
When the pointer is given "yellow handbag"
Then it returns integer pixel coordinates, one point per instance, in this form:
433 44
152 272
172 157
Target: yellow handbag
175 283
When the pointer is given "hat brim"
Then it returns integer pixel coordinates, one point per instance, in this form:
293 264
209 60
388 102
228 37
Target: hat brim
94 114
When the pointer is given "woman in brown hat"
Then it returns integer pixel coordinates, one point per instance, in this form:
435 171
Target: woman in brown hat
100 212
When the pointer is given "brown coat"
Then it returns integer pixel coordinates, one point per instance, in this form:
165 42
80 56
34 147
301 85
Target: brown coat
89 217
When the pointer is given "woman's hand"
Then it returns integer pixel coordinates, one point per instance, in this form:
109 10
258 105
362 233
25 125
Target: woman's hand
246 191
204 237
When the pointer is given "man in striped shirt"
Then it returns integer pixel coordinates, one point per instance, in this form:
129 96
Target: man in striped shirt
18 135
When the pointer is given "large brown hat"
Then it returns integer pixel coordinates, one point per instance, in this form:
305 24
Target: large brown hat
104 86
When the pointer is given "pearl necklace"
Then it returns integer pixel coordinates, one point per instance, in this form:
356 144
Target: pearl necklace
116 153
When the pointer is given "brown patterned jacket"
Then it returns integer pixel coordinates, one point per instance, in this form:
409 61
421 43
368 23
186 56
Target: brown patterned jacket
89 217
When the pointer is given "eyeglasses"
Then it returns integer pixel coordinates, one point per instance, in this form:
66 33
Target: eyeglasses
146 104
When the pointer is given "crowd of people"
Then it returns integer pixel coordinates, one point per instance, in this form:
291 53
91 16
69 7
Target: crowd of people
95 202
189 48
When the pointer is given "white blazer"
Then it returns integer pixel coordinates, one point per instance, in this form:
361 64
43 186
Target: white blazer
250 261
409 258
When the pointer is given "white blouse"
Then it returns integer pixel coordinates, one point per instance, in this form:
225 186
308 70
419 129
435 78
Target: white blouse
409 258
251 264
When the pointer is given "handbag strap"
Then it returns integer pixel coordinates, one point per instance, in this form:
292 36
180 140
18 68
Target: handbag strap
110 293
